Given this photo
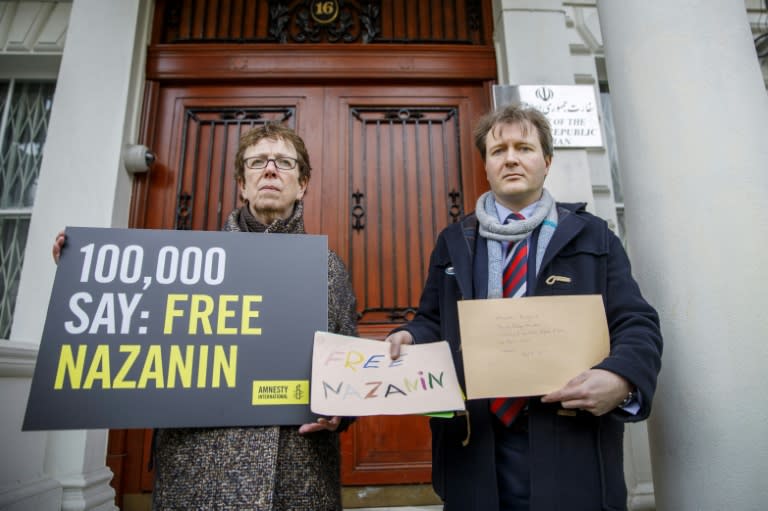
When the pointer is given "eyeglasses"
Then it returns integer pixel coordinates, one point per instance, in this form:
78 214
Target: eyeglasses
261 162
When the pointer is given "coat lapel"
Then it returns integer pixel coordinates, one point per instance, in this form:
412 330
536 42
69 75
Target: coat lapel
461 247
462 242
568 226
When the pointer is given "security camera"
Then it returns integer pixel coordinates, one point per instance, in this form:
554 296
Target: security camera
137 158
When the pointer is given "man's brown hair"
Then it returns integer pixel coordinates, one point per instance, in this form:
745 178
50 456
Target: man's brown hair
523 115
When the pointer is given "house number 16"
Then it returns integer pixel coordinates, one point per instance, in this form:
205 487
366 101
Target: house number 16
324 11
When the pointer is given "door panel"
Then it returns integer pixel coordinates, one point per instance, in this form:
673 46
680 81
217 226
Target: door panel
404 184
192 184
406 161
392 166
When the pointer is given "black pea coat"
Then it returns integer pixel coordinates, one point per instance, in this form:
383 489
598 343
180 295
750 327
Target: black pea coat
576 460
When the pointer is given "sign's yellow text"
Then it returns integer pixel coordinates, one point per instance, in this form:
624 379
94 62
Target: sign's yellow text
136 366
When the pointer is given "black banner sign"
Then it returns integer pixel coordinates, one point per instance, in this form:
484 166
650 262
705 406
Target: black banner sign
152 328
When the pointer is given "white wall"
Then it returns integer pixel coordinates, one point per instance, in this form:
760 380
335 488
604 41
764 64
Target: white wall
82 182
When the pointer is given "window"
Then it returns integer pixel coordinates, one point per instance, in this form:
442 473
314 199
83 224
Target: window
25 108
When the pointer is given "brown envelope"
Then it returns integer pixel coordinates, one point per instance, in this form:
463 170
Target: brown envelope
530 346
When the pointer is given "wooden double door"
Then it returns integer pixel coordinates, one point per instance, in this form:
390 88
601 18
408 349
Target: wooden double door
391 166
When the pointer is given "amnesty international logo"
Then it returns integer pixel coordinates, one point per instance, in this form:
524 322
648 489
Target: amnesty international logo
280 392
298 393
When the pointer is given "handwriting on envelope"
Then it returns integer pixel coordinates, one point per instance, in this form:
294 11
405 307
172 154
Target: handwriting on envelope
357 377
530 346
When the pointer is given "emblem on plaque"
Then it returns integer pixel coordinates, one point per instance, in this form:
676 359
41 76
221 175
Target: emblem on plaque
544 93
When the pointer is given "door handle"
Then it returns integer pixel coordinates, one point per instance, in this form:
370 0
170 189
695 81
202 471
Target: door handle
358 211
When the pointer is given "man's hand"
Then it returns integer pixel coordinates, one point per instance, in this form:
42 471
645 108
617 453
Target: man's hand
322 424
58 244
597 391
395 340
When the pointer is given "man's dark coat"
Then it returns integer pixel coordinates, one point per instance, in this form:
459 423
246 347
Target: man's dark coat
576 460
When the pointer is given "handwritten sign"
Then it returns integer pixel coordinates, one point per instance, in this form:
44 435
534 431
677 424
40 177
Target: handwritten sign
357 377
153 328
571 110
530 346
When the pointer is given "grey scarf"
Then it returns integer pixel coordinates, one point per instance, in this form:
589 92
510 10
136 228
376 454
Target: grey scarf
545 215
243 220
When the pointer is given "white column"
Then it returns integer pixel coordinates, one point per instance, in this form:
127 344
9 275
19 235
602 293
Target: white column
83 183
691 119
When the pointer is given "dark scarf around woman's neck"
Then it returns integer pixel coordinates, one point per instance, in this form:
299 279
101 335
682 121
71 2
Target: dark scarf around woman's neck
242 219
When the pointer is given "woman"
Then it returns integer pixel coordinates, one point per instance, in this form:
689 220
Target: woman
274 468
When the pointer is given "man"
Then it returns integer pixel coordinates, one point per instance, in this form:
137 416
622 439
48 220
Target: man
562 451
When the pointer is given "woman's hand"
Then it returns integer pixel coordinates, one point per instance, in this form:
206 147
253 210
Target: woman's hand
58 244
322 424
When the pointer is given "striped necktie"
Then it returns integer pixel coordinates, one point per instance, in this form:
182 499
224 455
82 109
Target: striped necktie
513 286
